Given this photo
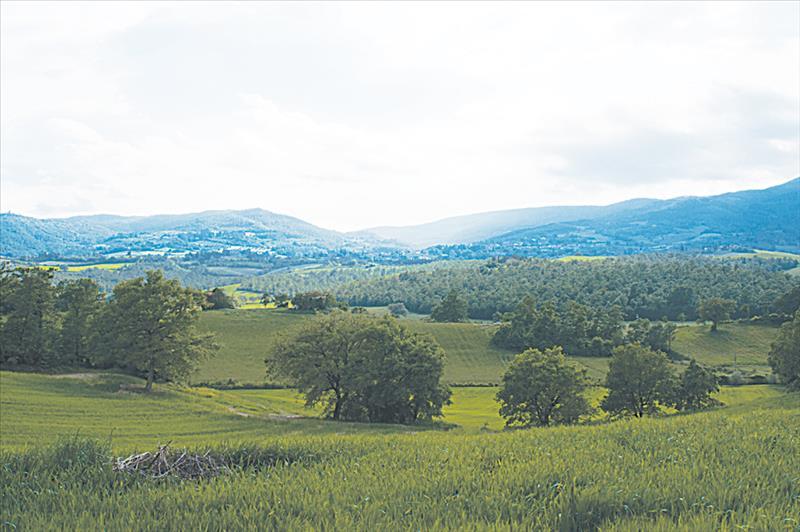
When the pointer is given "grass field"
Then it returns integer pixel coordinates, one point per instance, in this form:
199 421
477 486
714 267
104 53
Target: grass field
748 344
731 468
246 336
39 408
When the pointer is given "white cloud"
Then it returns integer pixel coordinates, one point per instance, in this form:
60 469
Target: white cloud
350 115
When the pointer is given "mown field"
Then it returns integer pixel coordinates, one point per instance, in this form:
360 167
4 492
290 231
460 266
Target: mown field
246 336
747 345
731 468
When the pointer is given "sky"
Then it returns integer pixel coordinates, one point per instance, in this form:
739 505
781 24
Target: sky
354 115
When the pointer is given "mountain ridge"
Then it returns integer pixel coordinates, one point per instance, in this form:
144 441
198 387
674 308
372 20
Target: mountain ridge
768 218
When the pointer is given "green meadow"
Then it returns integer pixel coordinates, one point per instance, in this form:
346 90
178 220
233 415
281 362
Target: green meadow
729 468
733 467
744 344
246 336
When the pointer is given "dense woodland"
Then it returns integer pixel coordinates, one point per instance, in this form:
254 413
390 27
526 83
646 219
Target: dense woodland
652 287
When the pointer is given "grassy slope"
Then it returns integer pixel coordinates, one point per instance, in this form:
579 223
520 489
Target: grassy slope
39 408
245 337
749 343
727 469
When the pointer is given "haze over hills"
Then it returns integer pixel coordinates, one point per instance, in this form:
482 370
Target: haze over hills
475 227
768 219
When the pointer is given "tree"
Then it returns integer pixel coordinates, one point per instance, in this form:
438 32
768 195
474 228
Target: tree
217 299
150 326
655 335
716 310
362 367
638 380
788 303
453 308
81 302
784 356
695 387
540 388
315 301
398 310
29 330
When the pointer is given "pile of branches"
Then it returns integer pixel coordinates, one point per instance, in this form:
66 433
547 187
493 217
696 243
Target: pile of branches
165 463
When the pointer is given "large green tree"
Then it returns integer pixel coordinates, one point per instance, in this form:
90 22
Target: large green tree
362 367
453 308
784 356
150 326
638 381
30 325
716 310
694 388
540 388
80 302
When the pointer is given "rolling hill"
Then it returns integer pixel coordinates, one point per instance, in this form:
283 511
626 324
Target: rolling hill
738 221
214 231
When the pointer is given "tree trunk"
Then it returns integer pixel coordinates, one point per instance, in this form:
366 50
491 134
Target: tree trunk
150 377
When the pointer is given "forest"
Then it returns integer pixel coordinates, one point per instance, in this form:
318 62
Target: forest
649 286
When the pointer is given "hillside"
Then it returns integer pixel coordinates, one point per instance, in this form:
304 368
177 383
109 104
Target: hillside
246 336
475 227
754 219
211 231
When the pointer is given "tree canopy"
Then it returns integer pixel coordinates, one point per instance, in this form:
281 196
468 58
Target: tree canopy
363 368
716 310
453 308
150 326
638 381
784 356
540 388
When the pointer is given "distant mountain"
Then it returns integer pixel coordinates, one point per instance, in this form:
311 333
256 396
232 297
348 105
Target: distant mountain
256 229
476 227
768 219
765 217
753 219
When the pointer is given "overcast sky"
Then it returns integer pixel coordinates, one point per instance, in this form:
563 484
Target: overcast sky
364 114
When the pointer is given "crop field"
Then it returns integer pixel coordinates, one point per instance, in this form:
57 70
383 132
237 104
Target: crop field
747 345
730 468
102 266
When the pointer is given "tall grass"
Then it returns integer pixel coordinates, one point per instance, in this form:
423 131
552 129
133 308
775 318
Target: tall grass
726 469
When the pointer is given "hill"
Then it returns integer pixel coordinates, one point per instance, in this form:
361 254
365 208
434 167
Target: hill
738 221
210 231
753 219
475 227
246 336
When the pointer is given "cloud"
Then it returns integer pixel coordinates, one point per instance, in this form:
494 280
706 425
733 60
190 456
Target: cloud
354 115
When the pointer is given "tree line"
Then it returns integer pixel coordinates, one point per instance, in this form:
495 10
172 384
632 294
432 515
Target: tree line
651 287
146 326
